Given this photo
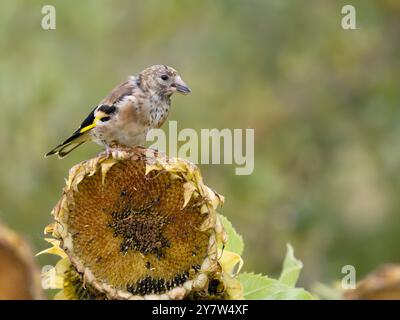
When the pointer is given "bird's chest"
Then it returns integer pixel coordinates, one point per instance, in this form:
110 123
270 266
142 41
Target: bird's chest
142 114
158 113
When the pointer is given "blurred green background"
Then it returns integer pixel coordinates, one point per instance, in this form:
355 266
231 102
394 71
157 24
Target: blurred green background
324 103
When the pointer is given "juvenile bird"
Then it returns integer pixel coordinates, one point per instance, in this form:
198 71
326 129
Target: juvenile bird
125 116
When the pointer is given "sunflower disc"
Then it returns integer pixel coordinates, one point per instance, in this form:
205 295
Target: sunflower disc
139 225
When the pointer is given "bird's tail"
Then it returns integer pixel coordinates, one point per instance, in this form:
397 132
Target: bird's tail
67 146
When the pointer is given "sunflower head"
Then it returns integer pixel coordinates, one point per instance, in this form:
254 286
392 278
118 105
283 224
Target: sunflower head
139 225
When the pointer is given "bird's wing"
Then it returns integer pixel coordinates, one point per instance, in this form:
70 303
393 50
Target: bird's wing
78 137
101 113
107 107
118 93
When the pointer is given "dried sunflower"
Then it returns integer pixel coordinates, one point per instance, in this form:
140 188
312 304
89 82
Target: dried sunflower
221 285
138 225
19 274
65 277
381 284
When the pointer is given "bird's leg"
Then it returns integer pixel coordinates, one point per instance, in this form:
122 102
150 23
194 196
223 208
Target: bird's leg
108 151
146 148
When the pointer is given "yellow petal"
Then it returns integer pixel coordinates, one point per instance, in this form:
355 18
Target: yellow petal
60 296
105 166
50 228
233 287
189 188
55 249
151 167
231 262
62 266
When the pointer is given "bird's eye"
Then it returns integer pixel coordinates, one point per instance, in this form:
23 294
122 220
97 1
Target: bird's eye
164 77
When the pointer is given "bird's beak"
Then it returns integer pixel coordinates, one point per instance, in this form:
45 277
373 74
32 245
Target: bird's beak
181 87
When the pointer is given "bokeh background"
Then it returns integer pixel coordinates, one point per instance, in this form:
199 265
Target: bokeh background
324 103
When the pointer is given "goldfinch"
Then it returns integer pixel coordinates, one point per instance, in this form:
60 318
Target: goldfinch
125 116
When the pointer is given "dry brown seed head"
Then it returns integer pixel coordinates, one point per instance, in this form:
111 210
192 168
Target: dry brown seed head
134 232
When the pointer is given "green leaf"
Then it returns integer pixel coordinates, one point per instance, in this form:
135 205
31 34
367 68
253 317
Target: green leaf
235 241
259 287
291 268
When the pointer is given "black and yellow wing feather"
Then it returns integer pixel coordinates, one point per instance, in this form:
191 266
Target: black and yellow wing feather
100 113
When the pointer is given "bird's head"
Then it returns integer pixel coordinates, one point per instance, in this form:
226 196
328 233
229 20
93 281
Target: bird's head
163 80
